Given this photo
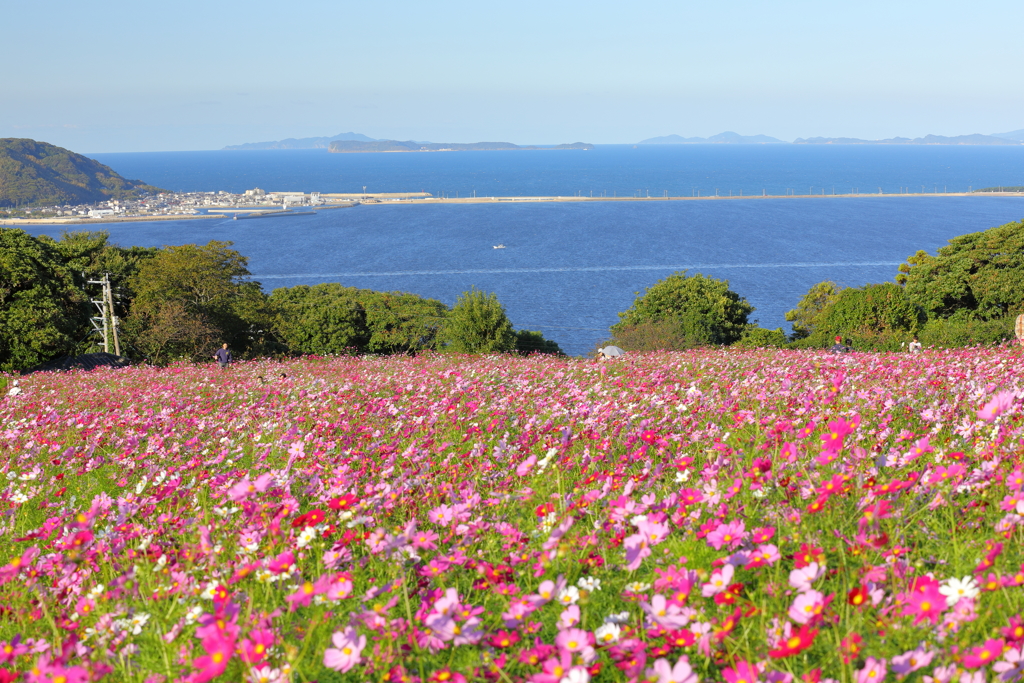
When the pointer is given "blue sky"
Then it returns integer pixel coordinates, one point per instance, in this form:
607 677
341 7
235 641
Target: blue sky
126 76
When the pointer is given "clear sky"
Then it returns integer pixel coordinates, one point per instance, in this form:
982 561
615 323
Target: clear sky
122 76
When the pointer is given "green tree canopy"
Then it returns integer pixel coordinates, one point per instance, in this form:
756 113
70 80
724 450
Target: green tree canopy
324 319
978 276
701 309
399 322
806 314
207 287
42 312
477 324
878 316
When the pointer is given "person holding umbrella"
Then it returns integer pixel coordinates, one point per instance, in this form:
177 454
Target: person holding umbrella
610 352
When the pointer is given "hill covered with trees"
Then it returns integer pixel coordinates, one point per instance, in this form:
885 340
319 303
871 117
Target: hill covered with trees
37 173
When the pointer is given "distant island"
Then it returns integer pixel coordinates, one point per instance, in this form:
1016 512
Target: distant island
300 143
726 138
975 139
37 173
354 146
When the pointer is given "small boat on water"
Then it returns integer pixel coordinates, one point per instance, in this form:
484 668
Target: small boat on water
499 246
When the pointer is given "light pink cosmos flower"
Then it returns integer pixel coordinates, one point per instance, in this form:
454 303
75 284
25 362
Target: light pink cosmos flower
664 613
666 673
1011 666
911 661
720 580
807 607
636 550
570 617
348 645
572 640
802 578
873 672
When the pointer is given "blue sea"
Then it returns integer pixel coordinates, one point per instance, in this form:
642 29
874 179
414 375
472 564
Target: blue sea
569 268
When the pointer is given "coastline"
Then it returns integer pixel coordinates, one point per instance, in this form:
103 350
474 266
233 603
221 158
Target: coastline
391 199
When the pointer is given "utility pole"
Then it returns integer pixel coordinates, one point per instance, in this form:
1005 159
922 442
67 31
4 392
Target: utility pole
106 322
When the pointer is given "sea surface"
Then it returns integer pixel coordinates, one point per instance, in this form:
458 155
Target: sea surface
569 268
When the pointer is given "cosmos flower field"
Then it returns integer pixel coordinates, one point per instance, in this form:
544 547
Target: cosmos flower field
716 515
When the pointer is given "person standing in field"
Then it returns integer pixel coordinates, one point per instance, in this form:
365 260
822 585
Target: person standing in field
223 356
915 346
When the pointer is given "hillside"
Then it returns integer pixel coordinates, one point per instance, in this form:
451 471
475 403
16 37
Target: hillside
349 146
37 173
299 143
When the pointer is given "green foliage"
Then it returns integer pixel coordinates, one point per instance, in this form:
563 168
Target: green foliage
758 338
530 341
806 314
42 312
401 323
957 333
660 335
477 324
190 297
324 319
37 173
978 276
704 310
874 317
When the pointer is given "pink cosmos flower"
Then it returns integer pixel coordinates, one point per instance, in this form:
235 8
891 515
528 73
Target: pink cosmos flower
730 534
744 672
984 654
666 673
219 649
999 404
924 604
348 645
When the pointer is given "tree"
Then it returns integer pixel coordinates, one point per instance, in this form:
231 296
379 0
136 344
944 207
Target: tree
878 316
399 322
42 312
702 309
978 276
530 341
477 324
806 314
210 286
325 319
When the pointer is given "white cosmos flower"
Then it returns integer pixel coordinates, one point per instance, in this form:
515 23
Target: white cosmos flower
569 595
607 634
954 589
589 583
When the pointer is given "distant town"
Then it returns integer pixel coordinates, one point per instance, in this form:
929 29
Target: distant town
179 205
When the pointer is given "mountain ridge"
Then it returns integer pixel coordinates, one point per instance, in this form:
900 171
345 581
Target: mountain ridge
36 173
300 143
